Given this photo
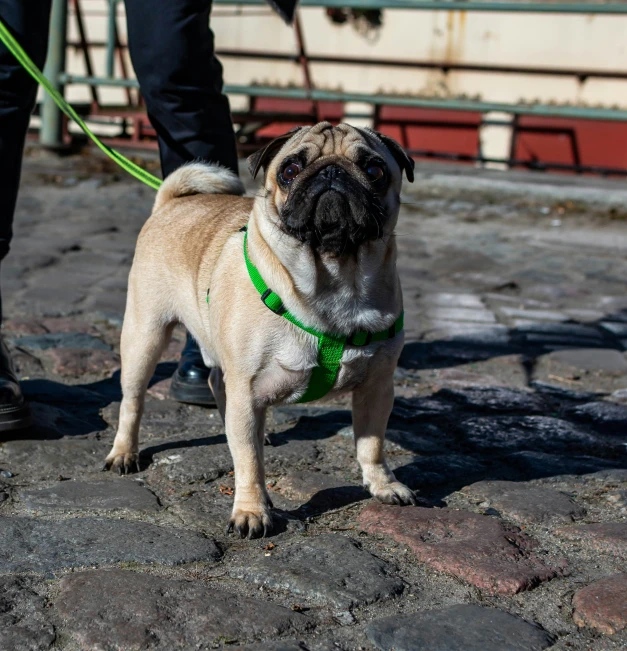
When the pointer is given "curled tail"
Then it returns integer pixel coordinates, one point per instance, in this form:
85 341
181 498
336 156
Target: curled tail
198 178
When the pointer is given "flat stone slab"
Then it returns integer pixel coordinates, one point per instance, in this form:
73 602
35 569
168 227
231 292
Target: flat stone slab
510 433
201 463
602 605
31 545
328 569
484 551
212 461
582 368
523 503
129 610
415 410
607 417
24 624
458 628
609 537
289 452
42 459
62 340
180 426
601 360
125 494
493 399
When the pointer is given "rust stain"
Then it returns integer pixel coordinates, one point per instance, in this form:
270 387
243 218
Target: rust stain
455 35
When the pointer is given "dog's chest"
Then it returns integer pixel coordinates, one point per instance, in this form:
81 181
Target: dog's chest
287 374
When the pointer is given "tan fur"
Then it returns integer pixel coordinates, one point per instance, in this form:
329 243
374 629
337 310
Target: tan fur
198 178
192 244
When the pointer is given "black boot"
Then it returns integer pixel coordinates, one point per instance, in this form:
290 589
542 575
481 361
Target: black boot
14 413
190 382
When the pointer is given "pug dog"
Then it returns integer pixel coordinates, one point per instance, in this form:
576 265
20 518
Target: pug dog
320 236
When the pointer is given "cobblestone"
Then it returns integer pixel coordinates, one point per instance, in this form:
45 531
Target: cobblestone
24 624
483 551
458 628
97 495
328 569
526 504
531 433
132 610
31 545
496 399
602 605
605 416
608 537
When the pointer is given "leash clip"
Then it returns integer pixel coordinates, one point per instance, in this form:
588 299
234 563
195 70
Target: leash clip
272 301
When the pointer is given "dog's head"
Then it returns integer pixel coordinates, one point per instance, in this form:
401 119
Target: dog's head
332 188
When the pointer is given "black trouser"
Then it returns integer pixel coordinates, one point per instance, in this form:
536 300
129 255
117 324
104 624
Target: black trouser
171 47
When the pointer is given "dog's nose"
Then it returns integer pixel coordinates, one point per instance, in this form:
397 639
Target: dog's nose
332 172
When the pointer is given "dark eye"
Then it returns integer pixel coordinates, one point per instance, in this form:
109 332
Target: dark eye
290 172
375 172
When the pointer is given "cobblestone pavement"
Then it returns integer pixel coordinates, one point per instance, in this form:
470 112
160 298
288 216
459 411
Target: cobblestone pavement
510 420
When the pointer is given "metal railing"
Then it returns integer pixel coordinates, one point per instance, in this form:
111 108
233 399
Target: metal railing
51 130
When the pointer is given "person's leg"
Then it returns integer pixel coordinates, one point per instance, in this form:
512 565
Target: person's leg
29 23
181 81
172 50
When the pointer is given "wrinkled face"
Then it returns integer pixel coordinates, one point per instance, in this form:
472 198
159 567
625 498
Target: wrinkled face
332 188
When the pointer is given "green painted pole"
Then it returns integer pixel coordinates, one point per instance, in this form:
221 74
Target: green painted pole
51 133
452 104
459 5
113 5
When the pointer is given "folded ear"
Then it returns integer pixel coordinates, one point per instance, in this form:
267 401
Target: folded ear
404 160
264 156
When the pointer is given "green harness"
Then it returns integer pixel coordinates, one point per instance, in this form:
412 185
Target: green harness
330 347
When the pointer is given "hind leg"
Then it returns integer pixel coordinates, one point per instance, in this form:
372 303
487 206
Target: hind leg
141 345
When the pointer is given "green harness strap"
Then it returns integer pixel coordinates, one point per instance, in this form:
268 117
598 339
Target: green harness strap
330 347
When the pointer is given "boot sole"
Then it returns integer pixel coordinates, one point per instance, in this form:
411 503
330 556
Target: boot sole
192 394
17 418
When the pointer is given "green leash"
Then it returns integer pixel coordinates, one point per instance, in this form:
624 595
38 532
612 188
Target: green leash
330 347
16 50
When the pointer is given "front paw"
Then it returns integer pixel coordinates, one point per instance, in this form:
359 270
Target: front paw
250 522
122 462
393 493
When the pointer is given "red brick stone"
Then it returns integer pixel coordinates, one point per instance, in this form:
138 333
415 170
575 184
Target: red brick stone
172 353
68 324
609 537
161 390
23 327
602 605
484 551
